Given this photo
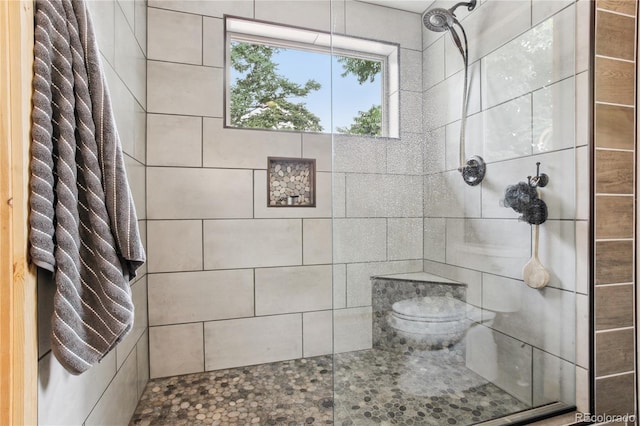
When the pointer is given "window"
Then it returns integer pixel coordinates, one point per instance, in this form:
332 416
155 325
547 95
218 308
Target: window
282 78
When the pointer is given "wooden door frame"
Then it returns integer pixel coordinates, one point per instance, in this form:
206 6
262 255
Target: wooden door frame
18 314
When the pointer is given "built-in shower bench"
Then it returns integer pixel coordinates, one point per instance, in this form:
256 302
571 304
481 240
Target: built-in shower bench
389 289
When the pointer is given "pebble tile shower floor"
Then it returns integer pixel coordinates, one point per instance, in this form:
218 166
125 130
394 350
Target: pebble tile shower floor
371 387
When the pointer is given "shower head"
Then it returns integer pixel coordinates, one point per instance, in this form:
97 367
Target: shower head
439 19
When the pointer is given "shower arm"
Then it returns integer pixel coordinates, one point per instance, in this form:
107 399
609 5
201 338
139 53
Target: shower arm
469 5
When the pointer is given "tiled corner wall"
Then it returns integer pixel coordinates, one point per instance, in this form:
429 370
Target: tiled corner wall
233 282
527 104
377 183
107 393
614 168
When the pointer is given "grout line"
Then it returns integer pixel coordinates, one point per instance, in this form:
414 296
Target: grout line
615 375
615 104
614 12
611 58
613 285
599 148
609 330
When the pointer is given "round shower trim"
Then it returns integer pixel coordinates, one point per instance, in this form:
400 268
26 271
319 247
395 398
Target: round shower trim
474 170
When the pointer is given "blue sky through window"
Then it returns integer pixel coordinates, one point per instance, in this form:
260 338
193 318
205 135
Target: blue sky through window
349 97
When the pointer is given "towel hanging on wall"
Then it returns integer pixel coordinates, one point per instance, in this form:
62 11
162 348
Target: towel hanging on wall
83 225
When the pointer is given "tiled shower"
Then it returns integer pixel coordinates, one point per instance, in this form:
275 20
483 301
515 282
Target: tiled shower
232 282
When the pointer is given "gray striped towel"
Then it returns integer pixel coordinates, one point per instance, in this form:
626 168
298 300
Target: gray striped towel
83 222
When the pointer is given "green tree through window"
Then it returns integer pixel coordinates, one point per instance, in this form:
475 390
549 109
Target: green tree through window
263 98
260 98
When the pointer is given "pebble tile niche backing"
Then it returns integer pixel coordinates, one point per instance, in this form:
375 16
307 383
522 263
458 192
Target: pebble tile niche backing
291 182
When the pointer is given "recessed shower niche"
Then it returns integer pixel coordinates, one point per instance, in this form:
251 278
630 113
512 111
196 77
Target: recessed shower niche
292 182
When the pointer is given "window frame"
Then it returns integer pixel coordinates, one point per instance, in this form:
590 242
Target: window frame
291 37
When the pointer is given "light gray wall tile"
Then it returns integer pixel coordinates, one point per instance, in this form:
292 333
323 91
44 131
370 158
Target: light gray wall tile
200 296
265 339
128 9
582 330
411 111
559 194
442 103
77 394
582 107
499 247
339 286
544 319
553 379
447 195
140 133
583 197
318 147
507 130
175 37
554 116
252 243
241 148
142 354
508 19
404 155
142 227
140 324
410 70
323 199
352 329
184 89
582 389
103 17
557 252
359 240
583 257
541 10
583 24
316 333
117 404
212 42
547 65
124 109
174 140
216 8
130 61
314 14
339 194
395 195
136 178
140 24
358 154
316 241
189 193
294 289
383 23
359 278
435 150
473 279
433 64
501 360
174 245
404 238
176 349
434 239
474 138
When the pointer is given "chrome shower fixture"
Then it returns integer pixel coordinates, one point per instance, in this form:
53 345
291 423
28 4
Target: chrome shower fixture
440 20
